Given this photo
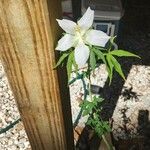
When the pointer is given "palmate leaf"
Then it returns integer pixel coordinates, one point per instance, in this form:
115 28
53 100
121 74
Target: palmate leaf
92 60
61 59
69 64
121 53
117 66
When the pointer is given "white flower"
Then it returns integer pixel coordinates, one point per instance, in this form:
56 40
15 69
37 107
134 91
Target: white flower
79 35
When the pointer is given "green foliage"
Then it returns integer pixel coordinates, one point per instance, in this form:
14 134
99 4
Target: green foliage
114 64
70 63
93 106
93 109
61 59
100 48
88 106
99 54
75 66
100 127
121 53
110 67
117 66
92 60
106 55
109 60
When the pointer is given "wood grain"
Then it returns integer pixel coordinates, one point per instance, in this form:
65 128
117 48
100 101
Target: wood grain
28 35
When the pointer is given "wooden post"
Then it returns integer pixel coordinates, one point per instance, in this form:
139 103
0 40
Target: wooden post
28 35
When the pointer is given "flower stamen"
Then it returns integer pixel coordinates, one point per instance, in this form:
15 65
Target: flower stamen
78 29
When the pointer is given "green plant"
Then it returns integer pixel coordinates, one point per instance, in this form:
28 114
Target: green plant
88 46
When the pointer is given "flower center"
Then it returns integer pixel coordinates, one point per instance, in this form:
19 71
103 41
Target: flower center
78 33
77 29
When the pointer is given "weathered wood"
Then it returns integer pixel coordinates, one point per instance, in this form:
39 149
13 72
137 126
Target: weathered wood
28 35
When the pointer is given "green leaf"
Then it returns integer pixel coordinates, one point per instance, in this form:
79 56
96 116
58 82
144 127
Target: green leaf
87 107
75 66
84 104
102 57
117 66
69 64
89 122
110 70
100 48
99 54
107 126
86 112
92 60
121 53
61 59
97 100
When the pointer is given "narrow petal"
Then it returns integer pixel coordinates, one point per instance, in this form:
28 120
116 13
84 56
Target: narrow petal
96 37
67 25
81 54
87 19
66 42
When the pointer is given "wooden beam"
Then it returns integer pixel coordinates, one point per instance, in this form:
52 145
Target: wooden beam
28 35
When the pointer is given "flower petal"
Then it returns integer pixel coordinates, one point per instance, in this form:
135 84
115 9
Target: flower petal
96 37
66 42
81 54
87 19
67 25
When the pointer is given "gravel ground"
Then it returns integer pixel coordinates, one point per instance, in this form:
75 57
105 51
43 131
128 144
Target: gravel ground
15 138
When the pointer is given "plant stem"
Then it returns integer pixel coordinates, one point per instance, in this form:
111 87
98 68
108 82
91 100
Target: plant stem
106 142
90 93
89 77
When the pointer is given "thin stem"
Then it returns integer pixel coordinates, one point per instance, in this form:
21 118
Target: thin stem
106 142
89 77
90 93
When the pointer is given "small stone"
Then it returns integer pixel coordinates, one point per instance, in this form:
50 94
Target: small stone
10 142
22 140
